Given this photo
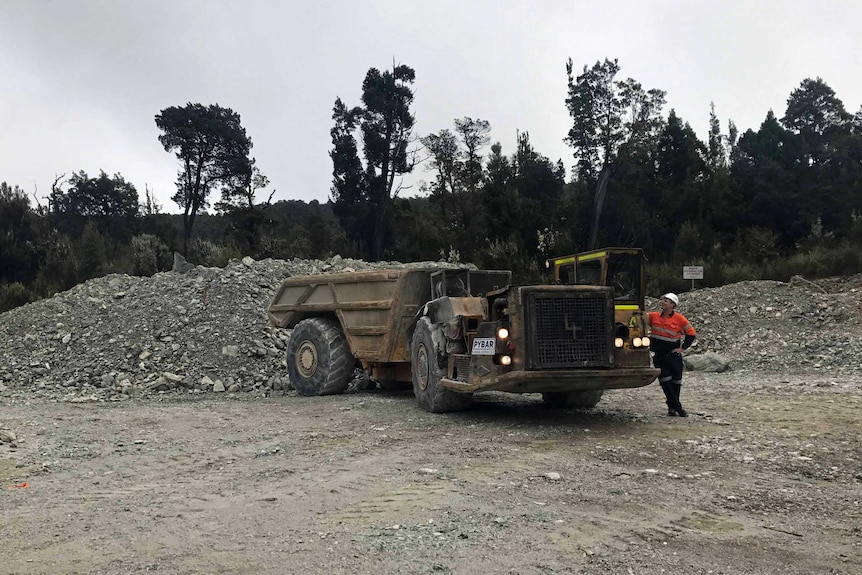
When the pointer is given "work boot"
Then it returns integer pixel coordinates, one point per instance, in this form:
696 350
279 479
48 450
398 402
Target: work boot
683 413
671 413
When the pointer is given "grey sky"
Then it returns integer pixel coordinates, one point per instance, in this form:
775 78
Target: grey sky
84 79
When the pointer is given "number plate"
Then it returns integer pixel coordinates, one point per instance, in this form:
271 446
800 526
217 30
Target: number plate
484 346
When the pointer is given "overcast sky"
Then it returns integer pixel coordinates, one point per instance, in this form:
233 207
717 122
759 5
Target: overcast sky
83 79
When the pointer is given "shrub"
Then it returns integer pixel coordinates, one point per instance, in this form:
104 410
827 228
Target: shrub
149 255
665 277
507 255
224 254
738 272
12 295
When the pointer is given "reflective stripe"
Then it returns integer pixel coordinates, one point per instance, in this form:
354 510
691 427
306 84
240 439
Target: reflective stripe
673 339
671 328
626 307
668 333
592 256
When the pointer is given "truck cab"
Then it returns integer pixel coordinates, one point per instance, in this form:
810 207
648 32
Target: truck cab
621 269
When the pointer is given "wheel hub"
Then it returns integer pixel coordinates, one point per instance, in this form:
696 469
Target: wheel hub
306 359
422 367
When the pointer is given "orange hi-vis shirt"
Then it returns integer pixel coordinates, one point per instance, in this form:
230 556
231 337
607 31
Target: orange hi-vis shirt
667 331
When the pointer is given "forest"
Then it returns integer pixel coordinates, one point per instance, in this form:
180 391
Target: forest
782 200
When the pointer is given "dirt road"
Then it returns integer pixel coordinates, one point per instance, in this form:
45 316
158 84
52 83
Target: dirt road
764 477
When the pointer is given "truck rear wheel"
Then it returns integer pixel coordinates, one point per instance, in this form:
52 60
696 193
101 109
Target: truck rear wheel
427 368
319 361
583 399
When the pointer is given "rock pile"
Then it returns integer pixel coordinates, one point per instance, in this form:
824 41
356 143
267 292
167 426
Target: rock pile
793 326
205 330
119 336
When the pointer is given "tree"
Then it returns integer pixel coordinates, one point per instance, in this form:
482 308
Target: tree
473 136
444 158
349 191
539 185
813 110
771 197
822 137
18 235
110 203
457 159
716 150
499 197
609 115
681 170
386 125
213 149
247 221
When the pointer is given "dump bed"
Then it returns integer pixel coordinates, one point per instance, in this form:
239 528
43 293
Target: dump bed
374 308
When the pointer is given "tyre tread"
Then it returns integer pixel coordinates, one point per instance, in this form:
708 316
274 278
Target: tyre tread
333 347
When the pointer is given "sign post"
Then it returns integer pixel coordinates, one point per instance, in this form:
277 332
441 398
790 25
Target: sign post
692 273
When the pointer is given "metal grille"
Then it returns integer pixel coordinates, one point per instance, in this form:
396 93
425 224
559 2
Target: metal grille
570 331
461 368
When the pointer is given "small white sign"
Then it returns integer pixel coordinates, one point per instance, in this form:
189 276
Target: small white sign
692 272
484 346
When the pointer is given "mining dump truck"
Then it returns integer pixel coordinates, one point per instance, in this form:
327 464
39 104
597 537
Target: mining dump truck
455 332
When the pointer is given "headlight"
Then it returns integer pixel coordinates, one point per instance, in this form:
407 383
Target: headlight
618 342
505 360
502 333
637 342
645 341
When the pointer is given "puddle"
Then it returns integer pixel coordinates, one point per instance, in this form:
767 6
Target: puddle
710 524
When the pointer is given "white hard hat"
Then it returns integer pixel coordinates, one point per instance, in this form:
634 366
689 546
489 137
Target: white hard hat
672 297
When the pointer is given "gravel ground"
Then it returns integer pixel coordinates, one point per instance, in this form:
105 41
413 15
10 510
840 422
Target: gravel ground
764 477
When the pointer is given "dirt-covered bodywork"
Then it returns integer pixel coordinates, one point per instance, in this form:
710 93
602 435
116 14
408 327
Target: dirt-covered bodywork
454 332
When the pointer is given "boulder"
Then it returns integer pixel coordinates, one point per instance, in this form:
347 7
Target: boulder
709 362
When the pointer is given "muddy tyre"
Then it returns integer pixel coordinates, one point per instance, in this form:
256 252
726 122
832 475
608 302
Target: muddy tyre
428 366
319 361
582 399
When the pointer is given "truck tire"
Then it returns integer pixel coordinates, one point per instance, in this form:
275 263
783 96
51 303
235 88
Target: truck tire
319 361
582 399
427 367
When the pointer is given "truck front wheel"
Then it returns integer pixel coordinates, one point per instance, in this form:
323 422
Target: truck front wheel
427 368
319 361
583 399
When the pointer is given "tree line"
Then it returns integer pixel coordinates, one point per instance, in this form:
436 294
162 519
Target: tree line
783 199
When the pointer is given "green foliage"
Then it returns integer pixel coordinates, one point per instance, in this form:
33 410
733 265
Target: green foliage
755 244
93 250
59 268
738 272
149 255
689 243
781 200
510 255
818 262
611 118
19 231
419 230
109 203
13 295
213 150
205 253
664 277
363 196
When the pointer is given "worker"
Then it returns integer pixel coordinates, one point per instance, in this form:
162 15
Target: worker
670 335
